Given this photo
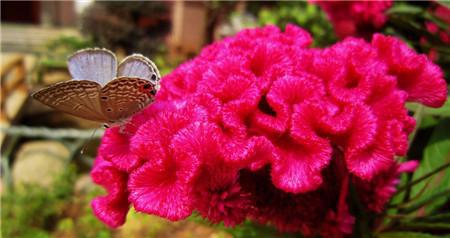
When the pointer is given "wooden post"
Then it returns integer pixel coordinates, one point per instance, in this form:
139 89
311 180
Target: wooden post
188 28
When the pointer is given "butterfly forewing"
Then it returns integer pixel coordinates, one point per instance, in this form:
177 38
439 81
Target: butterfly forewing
99 65
125 96
76 97
139 66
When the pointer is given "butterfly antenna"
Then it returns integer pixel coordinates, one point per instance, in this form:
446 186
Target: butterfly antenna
83 149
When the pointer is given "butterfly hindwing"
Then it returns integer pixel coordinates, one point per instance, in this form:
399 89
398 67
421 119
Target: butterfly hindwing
99 65
76 97
139 66
125 96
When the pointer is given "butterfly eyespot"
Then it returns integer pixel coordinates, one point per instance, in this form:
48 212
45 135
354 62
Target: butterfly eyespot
147 86
153 77
153 91
108 109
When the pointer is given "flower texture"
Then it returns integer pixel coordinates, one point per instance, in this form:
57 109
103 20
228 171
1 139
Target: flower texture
260 126
355 18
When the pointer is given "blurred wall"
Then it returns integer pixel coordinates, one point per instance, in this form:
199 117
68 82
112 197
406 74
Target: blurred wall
21 12
49 13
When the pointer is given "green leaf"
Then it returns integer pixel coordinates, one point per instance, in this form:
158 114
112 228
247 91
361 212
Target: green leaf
401 234
436 154
443 111
428 121
404 9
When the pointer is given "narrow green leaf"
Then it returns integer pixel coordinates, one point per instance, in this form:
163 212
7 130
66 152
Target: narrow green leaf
400 234
436 154
404 9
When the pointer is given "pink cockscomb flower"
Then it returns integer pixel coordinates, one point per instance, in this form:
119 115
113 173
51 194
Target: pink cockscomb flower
356 18
261 127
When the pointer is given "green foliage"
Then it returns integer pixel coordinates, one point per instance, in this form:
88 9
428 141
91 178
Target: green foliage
58 50
406 234
308 16
247 229
32 211
48 212
251 230
443 111
164 66
436 153
85 224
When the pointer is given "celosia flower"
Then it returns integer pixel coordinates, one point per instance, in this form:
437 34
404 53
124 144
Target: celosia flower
356 18
260 127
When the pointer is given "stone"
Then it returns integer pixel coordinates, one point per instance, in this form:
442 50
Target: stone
39 163
84 185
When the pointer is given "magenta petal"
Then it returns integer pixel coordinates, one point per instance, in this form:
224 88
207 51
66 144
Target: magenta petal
115 148
162 187
112 208
418 76
297 168
181 81
370 161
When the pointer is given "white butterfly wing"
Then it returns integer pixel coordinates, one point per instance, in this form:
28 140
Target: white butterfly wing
98 65
139 66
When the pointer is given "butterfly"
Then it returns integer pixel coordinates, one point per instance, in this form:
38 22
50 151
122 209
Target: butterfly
102 90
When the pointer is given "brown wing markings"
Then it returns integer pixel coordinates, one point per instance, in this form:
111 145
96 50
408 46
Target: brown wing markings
91 99
63 97
126 94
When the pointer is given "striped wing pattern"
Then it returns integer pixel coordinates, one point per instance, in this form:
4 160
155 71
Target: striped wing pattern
76 97
125 96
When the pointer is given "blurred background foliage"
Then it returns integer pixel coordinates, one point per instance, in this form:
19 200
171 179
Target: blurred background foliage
170 33
309 16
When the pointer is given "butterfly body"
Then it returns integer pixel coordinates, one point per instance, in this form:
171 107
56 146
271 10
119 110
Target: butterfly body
102 91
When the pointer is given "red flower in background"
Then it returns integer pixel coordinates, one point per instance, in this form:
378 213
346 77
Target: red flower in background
441 33
260 126
356 18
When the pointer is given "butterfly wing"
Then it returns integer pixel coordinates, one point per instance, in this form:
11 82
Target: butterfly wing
139 66
99 65
125 96
76 97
